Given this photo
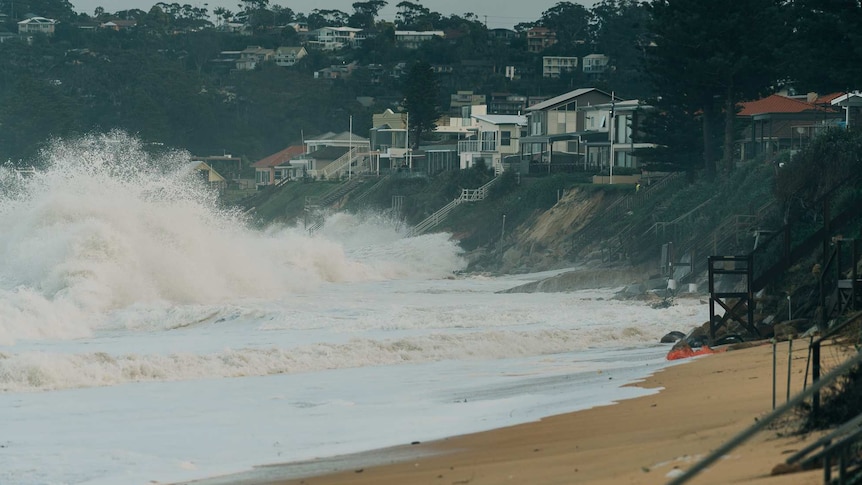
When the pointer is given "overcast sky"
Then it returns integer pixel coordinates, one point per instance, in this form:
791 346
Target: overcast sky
498 13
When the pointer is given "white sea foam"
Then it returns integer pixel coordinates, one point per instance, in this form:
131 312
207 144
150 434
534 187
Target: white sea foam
148 336
105 225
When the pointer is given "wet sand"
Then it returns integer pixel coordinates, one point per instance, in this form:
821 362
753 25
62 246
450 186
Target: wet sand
647 440
701 405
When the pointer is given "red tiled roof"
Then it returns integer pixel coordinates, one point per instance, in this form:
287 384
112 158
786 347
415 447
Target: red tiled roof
826 99
775 104
278 158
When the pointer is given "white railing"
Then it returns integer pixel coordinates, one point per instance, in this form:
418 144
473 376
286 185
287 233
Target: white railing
467 195
468 146
341 163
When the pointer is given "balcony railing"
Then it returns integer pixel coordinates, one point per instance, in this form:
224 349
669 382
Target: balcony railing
473 146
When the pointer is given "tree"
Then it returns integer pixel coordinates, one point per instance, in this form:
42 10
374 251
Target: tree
619 30
365 13
824 53
569 21
420 91
705 62
326 18
413 16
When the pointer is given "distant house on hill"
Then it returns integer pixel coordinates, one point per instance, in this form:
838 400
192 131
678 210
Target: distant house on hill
540 38
276 168
252 56
412 39
289 56
37 25
780 122
118 24
333 38
595 64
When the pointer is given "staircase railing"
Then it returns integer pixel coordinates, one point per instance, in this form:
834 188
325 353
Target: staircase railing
373 187
467 195
341 163
765 421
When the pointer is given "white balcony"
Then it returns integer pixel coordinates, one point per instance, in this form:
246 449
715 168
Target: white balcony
477 146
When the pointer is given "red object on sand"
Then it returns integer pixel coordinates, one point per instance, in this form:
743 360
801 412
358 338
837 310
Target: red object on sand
687 352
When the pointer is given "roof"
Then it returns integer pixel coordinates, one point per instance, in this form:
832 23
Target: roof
343 136
503 119
327 153
849 99
279 158
37 20
563 98
775 103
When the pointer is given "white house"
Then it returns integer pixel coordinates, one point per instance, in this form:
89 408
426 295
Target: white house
595 63
37 25
332 38
497 137
553 66
412 39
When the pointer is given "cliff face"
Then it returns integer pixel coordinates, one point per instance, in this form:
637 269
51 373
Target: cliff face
544 241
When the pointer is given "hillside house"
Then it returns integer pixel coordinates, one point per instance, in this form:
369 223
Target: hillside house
412 39
555 128
540 38
333 38
851 103
609 134
497 138
252 56
595 64
37 25
779 122
554 66
289 56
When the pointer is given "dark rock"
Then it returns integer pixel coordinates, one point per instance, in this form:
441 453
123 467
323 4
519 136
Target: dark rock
672 337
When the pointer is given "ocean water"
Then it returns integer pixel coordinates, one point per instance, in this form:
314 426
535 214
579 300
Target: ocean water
147 336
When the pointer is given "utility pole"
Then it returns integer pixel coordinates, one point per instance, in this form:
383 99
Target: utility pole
613 98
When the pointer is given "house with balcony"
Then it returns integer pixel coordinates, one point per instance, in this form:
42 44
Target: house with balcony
252 56
334 38
334 155
507 104
556 127
595 64
37 25
412 39
554 66
610 135
540 38
496 140
289 56
778 122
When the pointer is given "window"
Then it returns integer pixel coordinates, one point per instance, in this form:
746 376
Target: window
505 138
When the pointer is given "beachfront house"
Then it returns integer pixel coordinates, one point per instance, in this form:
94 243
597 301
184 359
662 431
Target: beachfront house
276 168
778 122
496 139
555 128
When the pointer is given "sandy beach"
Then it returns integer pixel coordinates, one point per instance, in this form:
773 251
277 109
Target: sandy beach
701 404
